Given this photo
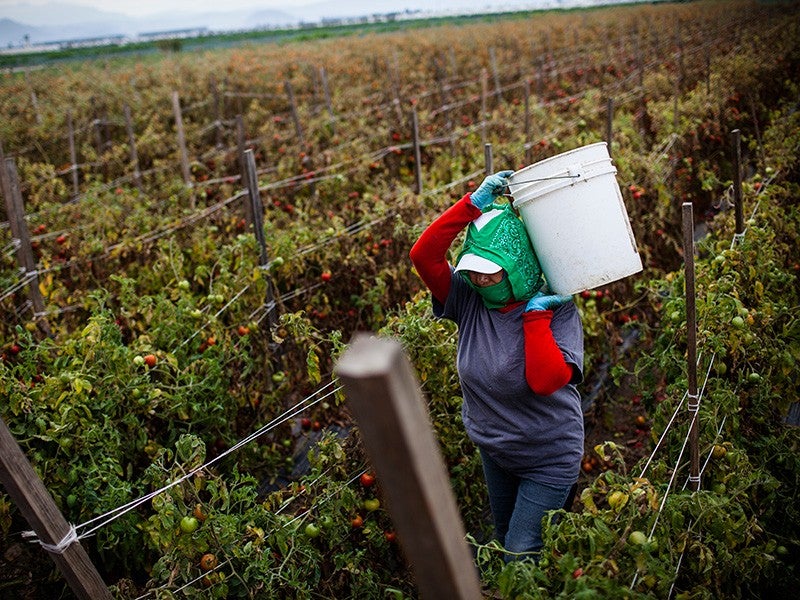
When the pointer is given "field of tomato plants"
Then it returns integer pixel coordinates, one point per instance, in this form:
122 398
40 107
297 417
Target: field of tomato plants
176 395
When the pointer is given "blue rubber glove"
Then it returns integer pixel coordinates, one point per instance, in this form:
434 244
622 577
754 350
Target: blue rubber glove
544 300
491 188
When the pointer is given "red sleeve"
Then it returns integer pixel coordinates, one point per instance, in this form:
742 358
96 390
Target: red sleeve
545 367
429 253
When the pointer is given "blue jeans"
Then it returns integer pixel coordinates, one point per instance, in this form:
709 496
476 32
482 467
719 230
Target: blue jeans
518 507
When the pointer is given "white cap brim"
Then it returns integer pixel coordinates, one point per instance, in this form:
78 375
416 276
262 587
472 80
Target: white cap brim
473 262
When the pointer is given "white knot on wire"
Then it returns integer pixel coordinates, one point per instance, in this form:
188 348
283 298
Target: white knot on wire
69 538
694 402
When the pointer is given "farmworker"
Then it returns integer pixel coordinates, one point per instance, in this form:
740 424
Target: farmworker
519 359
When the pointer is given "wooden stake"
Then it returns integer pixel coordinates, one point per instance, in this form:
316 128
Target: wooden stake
609 123
392 418
417 150
4 187
323 76
540 79
137 174
240 146
293 108
176 109
37 506
98 134
257 212
394 78
691 339
488 158
498 90
736 139
73 157
484 94
34 100
444 100
528 151
217 111
15 209
255 203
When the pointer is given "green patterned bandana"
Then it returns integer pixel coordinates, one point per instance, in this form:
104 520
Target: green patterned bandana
498 235
497 295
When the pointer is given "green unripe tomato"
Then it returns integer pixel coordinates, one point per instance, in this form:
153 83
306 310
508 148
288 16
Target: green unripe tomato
637 538
189 524
327 521
372 504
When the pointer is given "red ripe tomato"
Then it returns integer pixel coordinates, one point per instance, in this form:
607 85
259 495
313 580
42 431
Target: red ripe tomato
208 562
367 479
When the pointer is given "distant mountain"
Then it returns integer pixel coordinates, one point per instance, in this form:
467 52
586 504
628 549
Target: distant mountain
13 33
57 14
11 30
60 21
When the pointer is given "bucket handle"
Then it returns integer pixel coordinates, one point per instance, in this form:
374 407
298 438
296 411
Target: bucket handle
545 179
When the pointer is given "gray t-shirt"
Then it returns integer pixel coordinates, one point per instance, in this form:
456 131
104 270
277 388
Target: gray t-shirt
539 437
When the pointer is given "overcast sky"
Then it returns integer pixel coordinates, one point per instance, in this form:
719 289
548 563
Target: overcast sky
138 8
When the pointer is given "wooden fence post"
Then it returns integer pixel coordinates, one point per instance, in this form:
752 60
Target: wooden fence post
691 338
391 415
37 506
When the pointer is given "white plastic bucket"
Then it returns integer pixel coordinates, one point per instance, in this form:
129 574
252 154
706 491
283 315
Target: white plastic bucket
573 211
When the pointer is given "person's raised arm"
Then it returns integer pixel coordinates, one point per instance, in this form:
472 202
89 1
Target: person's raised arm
429 253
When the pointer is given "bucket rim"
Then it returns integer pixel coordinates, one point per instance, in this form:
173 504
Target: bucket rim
554 158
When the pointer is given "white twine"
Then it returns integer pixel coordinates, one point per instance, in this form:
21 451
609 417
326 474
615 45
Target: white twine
69 538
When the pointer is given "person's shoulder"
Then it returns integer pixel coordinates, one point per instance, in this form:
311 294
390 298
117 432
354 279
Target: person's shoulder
566 313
